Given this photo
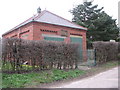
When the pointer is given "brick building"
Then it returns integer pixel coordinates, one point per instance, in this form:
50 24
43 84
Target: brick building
48 26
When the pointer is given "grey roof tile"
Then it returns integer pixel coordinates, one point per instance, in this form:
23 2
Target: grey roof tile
48 17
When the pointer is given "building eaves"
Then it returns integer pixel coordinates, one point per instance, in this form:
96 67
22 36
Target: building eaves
48 17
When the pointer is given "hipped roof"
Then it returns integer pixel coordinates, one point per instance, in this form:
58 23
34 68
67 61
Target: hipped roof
50 18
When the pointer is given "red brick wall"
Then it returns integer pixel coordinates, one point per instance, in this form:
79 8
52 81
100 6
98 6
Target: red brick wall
37 34
20 31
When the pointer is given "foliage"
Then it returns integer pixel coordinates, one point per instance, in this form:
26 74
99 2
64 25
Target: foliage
33 79
24 80
119 47
110 64
43 54
119 56
101 26
118 39
85 13
119 50
105 28
106 51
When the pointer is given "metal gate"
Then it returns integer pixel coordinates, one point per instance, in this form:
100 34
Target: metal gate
91 57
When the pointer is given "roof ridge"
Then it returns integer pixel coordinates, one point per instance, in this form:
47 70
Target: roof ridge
39 15
34 17
24 21
66 19
18 25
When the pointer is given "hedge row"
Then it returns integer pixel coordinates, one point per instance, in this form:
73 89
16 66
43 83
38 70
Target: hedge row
119 47
106 51
40 55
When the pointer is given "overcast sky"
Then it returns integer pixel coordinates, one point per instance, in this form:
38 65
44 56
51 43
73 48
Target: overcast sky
13 12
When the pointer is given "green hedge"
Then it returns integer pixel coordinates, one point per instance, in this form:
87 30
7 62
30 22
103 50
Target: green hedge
39 54
106 51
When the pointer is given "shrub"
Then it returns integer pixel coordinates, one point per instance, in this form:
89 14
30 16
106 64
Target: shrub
106 51
43 54
119 56
119 47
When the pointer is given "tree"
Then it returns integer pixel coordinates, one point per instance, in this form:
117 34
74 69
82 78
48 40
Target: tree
104 28
101 27
85 12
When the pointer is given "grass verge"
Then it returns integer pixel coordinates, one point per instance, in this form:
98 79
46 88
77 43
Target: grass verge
24 80
34 79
